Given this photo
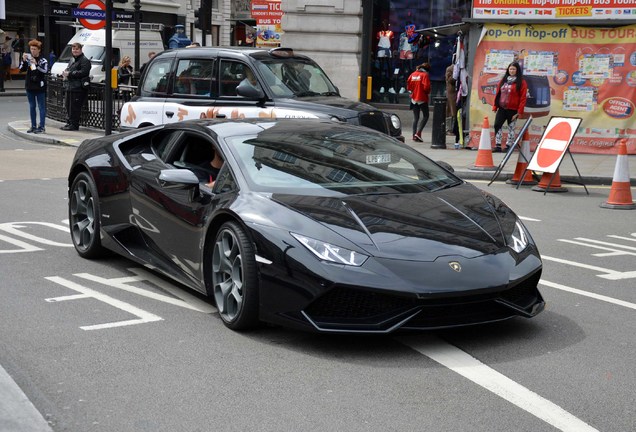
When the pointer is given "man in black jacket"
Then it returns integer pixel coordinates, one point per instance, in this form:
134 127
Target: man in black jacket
76 83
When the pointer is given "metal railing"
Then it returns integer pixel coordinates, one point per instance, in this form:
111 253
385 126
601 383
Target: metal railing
93 110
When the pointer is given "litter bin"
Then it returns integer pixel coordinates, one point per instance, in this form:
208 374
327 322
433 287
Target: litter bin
438 138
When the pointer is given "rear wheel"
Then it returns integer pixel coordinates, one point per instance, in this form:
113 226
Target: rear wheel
234 280
83 214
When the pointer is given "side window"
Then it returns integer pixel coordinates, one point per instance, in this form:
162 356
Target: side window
231 74
195 77
157 77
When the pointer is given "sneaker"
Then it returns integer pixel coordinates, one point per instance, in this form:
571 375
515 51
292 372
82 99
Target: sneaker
32 129
507 148
497 150
39 130
381 89
392 90
69 128
402 90
417 138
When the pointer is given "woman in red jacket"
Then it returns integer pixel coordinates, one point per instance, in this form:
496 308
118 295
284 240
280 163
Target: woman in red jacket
419 85
510 102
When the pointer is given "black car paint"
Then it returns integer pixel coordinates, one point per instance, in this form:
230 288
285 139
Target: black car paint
170 228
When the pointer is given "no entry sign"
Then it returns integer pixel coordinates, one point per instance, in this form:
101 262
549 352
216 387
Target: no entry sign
554 143
91 14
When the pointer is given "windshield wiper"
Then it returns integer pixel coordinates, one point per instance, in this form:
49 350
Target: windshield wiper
306 93
445 186
329 93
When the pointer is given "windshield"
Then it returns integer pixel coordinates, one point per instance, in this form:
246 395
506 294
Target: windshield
295 78
336 159
92 52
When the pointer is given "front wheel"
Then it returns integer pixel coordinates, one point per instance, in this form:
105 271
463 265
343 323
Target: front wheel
83 214
234 280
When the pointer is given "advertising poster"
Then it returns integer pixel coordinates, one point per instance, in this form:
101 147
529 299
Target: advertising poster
268 15
571 72
572 10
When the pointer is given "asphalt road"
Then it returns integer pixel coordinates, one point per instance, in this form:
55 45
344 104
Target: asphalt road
107 346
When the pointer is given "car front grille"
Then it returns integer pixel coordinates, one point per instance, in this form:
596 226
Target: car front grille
373 120
347 308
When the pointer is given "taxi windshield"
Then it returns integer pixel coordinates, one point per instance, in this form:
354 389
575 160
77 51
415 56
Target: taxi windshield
289 78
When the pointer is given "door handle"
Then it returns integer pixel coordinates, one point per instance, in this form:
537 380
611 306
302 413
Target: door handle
169 114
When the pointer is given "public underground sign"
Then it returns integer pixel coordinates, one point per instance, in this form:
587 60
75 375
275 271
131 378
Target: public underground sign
554 143
91 14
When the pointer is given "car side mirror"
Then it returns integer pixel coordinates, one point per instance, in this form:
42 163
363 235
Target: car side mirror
247 90
178 179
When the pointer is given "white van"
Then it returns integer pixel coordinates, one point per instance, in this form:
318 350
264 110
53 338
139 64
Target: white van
123 43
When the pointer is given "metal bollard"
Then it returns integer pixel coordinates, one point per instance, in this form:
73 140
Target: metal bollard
438 138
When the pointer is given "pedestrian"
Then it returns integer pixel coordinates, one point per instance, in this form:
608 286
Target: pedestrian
76 83
179 38
151 55
419 85
52 58
5 63
36 67
124 71
510 102
124 77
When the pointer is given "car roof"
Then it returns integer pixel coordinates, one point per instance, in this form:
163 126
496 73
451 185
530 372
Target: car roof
237 52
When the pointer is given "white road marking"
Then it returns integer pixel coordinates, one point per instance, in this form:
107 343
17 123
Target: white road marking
609 274
187 301
588 294
144 317
14 228
469 367
613 250
624 238
24 247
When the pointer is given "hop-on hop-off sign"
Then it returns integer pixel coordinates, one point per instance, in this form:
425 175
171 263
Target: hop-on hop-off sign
554 143
91 14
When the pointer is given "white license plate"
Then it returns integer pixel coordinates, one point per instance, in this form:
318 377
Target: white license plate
378 159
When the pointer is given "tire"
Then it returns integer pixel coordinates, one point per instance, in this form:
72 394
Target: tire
83 215
234 280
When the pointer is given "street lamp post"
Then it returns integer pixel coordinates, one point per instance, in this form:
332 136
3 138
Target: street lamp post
137 6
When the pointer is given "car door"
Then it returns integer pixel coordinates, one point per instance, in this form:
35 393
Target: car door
170 215
229 104
194 90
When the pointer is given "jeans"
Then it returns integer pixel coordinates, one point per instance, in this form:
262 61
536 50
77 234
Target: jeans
37 98
419 124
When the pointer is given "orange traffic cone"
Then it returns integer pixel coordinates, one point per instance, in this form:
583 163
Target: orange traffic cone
522 164
551 180
484 152
620 196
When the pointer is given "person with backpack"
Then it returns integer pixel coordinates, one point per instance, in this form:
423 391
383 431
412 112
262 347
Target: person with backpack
36 67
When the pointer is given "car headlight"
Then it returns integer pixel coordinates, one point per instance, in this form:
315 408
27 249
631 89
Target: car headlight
519 239
395 121
331 253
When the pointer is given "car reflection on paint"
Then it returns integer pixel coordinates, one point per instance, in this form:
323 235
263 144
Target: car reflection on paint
311 224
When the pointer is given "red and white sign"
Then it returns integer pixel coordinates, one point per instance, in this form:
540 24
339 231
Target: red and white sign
92 23
554 143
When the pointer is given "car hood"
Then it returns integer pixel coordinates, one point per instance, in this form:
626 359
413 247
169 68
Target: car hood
332 105
418 226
